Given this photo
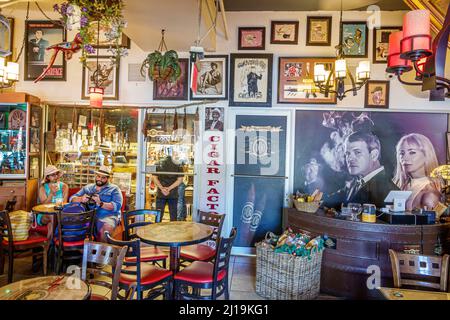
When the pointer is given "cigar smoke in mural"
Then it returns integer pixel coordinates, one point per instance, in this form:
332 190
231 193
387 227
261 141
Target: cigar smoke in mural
361 156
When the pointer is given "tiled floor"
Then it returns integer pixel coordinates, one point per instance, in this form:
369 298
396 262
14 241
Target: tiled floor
242 278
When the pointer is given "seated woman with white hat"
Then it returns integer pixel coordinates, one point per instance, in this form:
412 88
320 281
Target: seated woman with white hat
52 190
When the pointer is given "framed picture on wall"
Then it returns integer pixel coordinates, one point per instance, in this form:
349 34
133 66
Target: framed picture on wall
108 77
296 80
381 43
177 90
252 38
103 40
39 36
354 36
284 32
251 80
212 80
318 31
377 94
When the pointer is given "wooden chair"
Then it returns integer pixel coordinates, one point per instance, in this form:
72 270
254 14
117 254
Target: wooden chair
156 280
203 251
73 229
206 275
97 255
138 218
18 249
419 266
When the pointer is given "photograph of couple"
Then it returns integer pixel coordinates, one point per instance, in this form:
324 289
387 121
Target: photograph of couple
361 156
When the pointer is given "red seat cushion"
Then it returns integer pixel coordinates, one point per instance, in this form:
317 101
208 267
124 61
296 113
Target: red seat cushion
43 230
97 297
33 238
199 272
71 244
149 274
149 254
200 252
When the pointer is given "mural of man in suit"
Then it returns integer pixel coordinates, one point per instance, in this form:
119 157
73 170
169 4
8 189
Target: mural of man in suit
370 183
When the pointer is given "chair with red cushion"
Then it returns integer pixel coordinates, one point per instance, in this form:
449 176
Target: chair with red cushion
17 249
98 255
73 229
139 218
204 251
145 276
206 275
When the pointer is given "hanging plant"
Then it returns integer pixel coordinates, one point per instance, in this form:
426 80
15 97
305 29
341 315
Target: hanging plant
162 66
84 13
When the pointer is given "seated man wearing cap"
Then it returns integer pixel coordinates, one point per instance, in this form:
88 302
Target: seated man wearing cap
108 199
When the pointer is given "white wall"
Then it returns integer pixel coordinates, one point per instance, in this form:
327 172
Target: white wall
141 93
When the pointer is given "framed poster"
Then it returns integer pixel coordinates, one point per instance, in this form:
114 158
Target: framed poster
284 32
381 43
108 77
318 31
168 90
39 36
252 38
354 39
251 80
214 119
103 40
296 80
212 80
377 94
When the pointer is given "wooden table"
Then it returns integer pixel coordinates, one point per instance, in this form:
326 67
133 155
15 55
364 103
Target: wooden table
46 288
174 234
46 208
407 294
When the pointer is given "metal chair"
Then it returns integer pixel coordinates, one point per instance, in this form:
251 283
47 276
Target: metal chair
145 276
97 255
139 218
204 251
206 275
420 270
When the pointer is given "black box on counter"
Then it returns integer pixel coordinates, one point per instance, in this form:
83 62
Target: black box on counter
426 217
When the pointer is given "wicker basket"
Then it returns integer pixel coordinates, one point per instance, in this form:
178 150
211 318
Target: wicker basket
282 276
310 207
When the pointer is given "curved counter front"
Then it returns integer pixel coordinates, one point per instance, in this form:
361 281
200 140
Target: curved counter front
361 247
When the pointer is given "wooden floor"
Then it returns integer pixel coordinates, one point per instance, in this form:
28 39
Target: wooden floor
242 281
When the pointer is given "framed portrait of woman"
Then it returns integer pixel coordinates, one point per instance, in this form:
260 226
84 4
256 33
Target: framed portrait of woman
251 80
212 80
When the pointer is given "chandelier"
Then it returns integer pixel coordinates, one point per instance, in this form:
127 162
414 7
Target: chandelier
9 71
413 48
324 79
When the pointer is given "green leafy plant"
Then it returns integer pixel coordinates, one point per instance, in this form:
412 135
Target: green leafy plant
162 66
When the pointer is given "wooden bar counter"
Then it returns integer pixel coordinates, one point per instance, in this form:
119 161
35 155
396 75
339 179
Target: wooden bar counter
360 245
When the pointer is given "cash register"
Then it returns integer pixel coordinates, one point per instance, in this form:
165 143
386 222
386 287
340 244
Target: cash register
395 212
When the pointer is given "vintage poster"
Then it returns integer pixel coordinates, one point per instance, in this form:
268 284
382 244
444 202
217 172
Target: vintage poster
104 75
177 90
259 177
381 43
361 156
212 81
251 77
354 36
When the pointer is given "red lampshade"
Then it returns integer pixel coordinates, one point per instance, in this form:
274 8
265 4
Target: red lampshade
416 41
96 97
395 64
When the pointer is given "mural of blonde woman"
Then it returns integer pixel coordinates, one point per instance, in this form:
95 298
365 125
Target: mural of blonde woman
416 158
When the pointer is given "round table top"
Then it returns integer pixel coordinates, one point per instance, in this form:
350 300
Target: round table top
46 288
46 208
175 233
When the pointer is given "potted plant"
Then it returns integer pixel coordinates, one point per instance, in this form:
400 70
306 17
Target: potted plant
162 66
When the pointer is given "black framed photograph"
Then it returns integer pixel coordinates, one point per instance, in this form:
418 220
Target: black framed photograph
212 80
251 80
318 31
39 36
103 42
354 36
381 43
252 38
284 32
105 74
173 90
377 94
